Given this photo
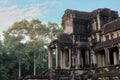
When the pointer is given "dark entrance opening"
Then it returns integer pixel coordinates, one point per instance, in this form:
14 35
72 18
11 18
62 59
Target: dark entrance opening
83 57
67 57
111 56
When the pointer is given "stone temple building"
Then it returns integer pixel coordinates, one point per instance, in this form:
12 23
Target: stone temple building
89 48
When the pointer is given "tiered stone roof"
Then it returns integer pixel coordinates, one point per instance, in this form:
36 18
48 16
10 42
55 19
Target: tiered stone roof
112 26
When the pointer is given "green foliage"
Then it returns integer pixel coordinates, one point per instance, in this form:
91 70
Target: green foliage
54 30
8 66
24 43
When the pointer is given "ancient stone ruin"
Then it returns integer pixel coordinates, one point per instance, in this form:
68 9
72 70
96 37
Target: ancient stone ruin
89 48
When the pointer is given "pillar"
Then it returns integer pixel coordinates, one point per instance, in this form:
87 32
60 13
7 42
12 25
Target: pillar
73 54
99 60
72 61
61 58
49 58
93 58
57 56
50 62
115 57
107 61
69 57
87 57
78 60
118 53
98 21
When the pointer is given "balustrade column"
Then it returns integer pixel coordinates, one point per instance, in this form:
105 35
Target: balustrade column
107 59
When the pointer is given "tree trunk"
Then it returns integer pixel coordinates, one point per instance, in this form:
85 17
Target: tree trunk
34 65
19 68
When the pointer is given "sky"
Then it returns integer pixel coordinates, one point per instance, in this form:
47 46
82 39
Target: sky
47 10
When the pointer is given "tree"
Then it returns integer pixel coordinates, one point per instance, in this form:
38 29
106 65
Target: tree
3 71
36 32
53 30
17 44
24 42
13 40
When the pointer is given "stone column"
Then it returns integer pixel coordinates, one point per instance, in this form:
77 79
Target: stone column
118 53
49 58
98 21
78 56
57 56
72 61
61 58
72 58
50 62
115 57
93 58
107 61
69 57
87 57
99 60
73 53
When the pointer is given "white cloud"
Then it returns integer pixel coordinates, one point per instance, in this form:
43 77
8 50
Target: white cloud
54 2
3 2
10 14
